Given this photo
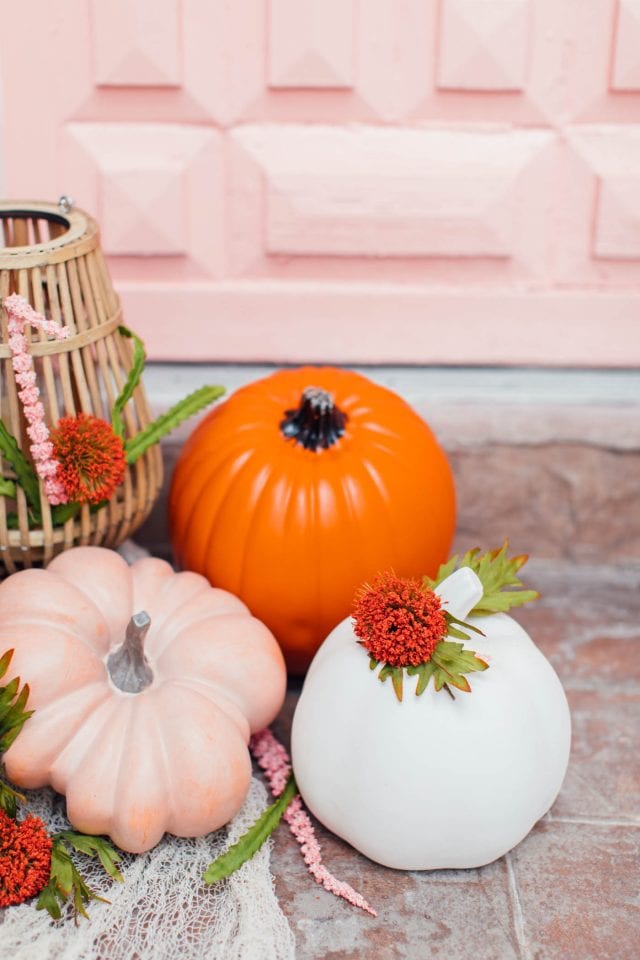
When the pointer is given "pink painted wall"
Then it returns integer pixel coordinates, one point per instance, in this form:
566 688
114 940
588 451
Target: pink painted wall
345 180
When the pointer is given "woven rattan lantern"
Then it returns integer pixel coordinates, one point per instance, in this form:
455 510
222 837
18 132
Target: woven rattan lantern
51 256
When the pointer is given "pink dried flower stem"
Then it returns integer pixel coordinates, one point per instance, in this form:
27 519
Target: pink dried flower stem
19 314
272 757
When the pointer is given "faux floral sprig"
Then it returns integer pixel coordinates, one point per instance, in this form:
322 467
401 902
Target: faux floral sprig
25 858
272 757
31 860
90 457
13 716
20 314
64 880
498 573
402 624
83 458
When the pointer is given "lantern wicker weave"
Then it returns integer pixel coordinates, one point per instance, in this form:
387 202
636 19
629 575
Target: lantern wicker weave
52 257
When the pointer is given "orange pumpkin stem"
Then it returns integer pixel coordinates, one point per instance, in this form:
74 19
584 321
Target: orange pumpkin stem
128 667
316 423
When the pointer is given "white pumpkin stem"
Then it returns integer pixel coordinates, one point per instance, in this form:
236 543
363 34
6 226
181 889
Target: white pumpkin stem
460 592
128 667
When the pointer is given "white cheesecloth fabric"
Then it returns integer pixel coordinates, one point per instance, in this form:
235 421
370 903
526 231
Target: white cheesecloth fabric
163 910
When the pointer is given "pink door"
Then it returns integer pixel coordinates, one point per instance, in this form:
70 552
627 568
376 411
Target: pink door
374 181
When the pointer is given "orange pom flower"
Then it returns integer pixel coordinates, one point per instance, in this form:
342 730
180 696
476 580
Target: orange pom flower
398 621
25 858
91 458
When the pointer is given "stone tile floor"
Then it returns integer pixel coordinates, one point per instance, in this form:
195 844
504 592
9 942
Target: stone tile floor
571 889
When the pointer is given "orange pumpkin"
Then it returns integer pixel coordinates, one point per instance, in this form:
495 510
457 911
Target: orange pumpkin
299 488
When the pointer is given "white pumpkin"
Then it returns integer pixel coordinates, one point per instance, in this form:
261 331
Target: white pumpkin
433 782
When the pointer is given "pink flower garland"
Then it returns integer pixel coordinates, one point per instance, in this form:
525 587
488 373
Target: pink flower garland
19 313
274 760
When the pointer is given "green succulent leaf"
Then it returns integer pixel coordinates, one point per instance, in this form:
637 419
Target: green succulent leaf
66 883
25 474
498 574
251 841
168 421
132 381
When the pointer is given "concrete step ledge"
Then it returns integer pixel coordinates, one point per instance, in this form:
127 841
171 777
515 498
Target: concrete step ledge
550 458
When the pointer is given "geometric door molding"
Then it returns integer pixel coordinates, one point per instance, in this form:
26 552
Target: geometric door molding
437 181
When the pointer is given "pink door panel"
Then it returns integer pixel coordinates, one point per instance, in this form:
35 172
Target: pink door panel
411 181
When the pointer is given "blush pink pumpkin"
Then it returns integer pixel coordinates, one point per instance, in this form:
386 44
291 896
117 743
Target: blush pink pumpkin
138 744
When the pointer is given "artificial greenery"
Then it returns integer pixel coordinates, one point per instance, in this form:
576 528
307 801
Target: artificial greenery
25 474
13 701
13 716
132 381
251 841
498 575
135 447
450 661
166 422
65 879
448 665
66 883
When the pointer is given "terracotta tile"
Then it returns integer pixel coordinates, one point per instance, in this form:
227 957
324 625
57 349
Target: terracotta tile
559 500
578 889
603 779
587 622
282 725
457 914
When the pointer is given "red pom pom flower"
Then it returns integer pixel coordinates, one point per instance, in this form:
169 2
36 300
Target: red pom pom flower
90 456
25 858
398 620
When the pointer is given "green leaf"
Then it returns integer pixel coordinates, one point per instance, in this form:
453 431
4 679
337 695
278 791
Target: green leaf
424 672
397 678
63 512
13 701
497 573
9 797
5 660
7 488
168 421
62 868
50 900
250 842
132 381
25 474
452 662
448 665
66 882
92 846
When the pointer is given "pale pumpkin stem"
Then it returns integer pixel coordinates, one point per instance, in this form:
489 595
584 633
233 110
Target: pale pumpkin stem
316 423
128 667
